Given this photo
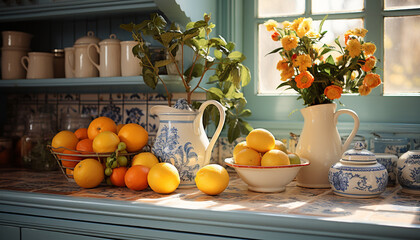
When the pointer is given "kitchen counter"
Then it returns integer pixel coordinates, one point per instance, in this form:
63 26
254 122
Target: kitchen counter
39 203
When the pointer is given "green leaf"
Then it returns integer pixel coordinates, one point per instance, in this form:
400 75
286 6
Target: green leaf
234 131
245 113
196 72
274 51
167 37
217 92
213 79
322 23
330 60
162 63
236 56
245 127
217 41
149 77
245 75
189 25
236 76
159 21
218 54
128 27
230 46
190 34
200 24
225 73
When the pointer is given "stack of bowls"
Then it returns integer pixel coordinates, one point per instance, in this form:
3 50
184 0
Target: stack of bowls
15 46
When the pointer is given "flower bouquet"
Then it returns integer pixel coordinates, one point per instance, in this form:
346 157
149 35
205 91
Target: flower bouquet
307 66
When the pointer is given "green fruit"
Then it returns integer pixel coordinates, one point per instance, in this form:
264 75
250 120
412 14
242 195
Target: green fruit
108 181
294 159
121 146
109 159
114 164
280 146
122 161
108 171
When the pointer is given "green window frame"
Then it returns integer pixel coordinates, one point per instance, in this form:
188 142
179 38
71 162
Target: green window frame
274 111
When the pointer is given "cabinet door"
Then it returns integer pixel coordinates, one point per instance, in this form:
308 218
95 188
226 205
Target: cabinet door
36 234
10 233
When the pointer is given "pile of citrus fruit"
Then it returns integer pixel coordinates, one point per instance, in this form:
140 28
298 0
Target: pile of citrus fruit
262 149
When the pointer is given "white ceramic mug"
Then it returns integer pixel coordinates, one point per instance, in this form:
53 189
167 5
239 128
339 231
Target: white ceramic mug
130 65
38 65
109 51
11 68
69 62
83 68
16 39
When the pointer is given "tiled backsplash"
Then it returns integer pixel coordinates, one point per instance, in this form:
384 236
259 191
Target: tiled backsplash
134 108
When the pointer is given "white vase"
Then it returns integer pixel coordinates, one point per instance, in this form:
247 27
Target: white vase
182 141
320 143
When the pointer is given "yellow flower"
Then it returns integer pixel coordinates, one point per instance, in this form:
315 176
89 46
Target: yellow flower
287 73
289 42
282 65
360 32
354 47
313 34
304 62
271 24
369 48
286 24
304 27
364 90
296 23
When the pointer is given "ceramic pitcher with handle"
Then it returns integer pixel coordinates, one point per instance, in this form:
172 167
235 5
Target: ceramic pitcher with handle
182 141
321 144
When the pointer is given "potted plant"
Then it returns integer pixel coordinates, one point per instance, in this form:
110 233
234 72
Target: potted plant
181 139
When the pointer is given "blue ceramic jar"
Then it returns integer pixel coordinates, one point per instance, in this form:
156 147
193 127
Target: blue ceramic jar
408 171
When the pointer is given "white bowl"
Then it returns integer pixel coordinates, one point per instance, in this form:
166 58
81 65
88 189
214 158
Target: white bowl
267 179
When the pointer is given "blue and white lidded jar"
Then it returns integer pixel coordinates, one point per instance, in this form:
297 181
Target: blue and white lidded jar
358 174
408 171
390 163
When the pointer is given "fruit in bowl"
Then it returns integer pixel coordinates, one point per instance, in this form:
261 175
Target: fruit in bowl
264 163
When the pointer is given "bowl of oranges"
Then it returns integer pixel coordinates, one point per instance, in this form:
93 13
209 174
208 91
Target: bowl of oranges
264 163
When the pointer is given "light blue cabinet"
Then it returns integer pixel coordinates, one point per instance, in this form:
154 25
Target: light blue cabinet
9 232
36 234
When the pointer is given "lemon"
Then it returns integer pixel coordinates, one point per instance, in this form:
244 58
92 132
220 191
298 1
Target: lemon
147 159
163 178
279 145
212 179
105 142
248 157
261 140
275 157
240 146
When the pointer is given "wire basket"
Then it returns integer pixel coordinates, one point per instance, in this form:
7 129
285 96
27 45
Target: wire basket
69 161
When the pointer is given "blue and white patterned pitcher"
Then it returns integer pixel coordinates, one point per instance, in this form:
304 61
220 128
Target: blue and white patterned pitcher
182 141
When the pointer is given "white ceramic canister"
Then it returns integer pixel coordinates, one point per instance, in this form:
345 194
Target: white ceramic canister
38 65
109 51
16 39
358 174
69 62
390 163
408 171
11 67
83 68
130 65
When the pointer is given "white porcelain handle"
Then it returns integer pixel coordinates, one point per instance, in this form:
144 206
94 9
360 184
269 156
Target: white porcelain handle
88 54
355 127
23 60
198 121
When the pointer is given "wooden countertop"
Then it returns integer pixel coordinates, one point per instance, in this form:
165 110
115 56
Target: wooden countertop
394 210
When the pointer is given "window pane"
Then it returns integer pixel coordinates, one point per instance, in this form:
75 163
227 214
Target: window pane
401 60
334 6
269 76
278 8
401 4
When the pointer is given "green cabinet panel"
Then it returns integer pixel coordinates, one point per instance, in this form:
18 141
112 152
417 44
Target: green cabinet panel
9 233
36 234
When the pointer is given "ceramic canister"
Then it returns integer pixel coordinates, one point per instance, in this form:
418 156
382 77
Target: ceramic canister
38 65
130 65
11 67
109 51
69 62
83 68
358 174
16 39
408 171
390 163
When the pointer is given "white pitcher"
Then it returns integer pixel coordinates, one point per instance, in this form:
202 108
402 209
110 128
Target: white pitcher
109 51
182 141
320 143
83 68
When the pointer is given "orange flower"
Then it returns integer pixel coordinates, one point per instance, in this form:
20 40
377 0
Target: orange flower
369 64
275 36
354 47
372 80
289 42
364 90
287 73
282 64
304 80
333 92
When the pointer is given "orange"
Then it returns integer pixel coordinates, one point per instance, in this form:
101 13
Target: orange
134 136
69 172
85 146
117 176
81 133
99 125
163 178
212 179
88 173
119 126
147 159
105 142
64 139
73 160
136 177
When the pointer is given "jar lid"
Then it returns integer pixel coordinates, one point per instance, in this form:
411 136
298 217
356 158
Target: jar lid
111 40
90 38
359 154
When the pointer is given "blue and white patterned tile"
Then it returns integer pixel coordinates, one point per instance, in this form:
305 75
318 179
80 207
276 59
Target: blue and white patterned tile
113 111
111 97
68 97
215 154
226 148
89 98
89 109
156 97
136 113
134 97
